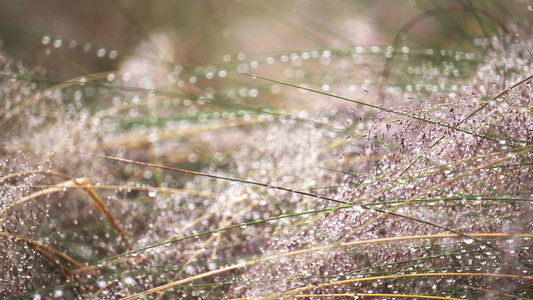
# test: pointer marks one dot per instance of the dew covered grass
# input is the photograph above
(254, 150)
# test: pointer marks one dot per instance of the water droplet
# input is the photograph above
(113, 54)
(242, 68)
(193, 158)
(148, 174)
(253, 93)
(190, 269)
(46, 40)
(101, 283)
(212, 266)
(101, 52)
(128, 280)
(226, 32)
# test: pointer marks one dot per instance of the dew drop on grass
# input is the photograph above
(45, 40)
(253, 93)
(468, 240)
(101, 52)
(242, 68)
(101, 283)
(128, 280)
(193, 158)
(190, 269)
(113, 54)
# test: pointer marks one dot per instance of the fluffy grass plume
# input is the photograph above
(267, 151)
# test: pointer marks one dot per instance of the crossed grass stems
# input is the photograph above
(475, 237)
(517, 147)
(91, 190)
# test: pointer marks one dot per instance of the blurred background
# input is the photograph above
(101, 35)
(192, 53)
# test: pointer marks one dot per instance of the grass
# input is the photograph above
(389, 171)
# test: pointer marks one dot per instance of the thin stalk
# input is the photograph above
(392, 111)
(356, 243)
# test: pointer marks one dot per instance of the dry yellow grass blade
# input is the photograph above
(398, 276)
(444, 183)
(135, 140)
(495, 292)
(47, 252)
(85, 184)
(355, 243)
(356, 295)
(109, 216)
(25, 173)
(54, 189)
(225, 222)
(292, 292)
(137, 188)
(180, 282)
